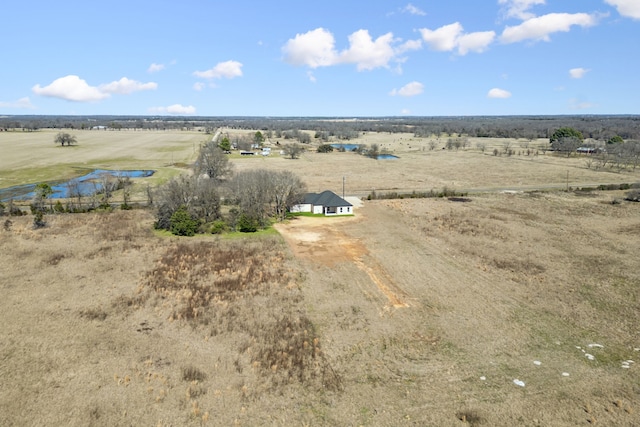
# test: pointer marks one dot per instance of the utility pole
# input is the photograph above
(343, 186)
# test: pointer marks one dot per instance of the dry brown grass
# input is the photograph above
(106, 323)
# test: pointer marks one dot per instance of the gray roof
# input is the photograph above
(326, 198)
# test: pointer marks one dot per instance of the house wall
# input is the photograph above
(343, 210)
(319, 209)
(303, 207)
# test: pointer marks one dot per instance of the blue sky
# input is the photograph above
(328, 58)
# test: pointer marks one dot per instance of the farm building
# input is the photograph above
(326, 203)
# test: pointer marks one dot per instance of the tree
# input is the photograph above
(225, 144)
(615, 140)
(293, 151)
(374, 151)
(325, 148)
(182, 223)
(65, 138)
(564, 133)
(213, 162)
(199, 196)
(258, 138)
(41, 193)
(261, 194)
(287, 191)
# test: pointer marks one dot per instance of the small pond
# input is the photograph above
(387, 157)
(346, 147)
(85, 185)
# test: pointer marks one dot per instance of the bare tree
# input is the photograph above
(288, 190)
(65, 138)
(261, 194)
(293, 151)
(213, 162)
(199, 196)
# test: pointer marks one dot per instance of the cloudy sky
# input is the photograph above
(320, 58)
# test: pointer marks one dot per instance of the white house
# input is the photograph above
(326, 203)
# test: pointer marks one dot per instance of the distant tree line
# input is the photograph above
(597, 127)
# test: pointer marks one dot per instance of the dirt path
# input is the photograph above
(324, 241)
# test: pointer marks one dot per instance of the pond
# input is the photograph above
(85, 185)
(346, 147)
(387, 157)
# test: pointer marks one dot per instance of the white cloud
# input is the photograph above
(410, 89)
(450, 37)
(519, 8)
(475, 42)
(405, 111)
(226, 70)
(541, 27)
(413, 10)
(316, 48)
(313, 49)
(578, 73)
(125, 86)
(366, 53)
(409, 45)
(71, 88)
(154, 68)
(198, 86)
(628, 8)
(444, 38)
(20, 103)
(177, 109)
(499, 93)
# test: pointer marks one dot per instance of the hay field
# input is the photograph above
(421, 169)
(32, 157)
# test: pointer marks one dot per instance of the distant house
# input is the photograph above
(325, 203)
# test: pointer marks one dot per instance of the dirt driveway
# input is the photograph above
(324, 241)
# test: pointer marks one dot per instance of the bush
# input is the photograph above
(38, 219)
(633, 196)
(246, 224)
(325, 148)
(218, 227)
(58, 208)
(182, 224)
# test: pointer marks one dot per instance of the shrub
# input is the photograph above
(58, 208)
(38, 219)
(182, 224)
(325, 148)
(218, 227)
(633, 196)
(246, 224)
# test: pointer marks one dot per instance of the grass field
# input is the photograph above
(511, 308)
(31, 157)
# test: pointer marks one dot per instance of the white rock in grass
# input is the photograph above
(537, 362)
(596, 345)
(589, 356)
(518, 382)
(483, 378)
(565, 374)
